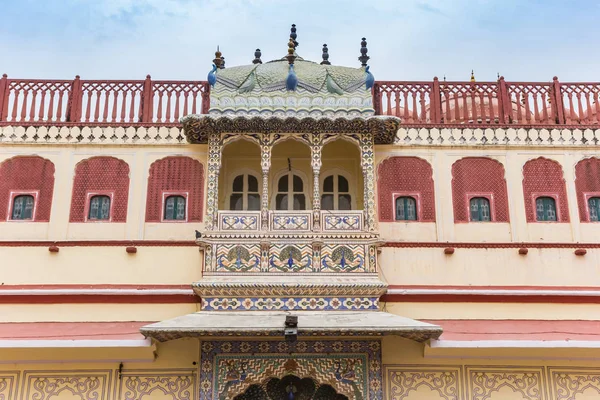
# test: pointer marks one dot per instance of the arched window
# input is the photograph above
(22, 207)
(594, 208)
(480, 209)
(406, 208)
(99, 208)
(290, 193)
(545, 209)
(174, 208)
(336, 193)
(244, 194)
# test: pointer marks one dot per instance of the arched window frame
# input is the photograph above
(490, 199)
(88, 199)
(165, 195)
(306, 189)
(587, 196)
(416, 196)
(11, 203)
(229, 188)
(554, 196)
(351, 185)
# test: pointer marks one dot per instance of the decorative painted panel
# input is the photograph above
(288, 221)
(343, 258)
(239, 220)
(498, 383)
(430, 382)
(352, 368)
(574, 384)
(8, 385)
(290, 258)
(238, 258)
(342, 220)
(166, 385)
(289, 303)
(84, 385)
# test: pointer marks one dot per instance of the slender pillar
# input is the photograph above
(265, 163)
(215, 147)
(368, 169)
(316, 147)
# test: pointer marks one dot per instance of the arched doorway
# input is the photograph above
(290, 387)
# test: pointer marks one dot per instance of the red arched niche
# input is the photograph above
(100, 175)
(27, 173)
(587, 180)
(175, 174)
(406, 176)
(479, 177)
(544, 177)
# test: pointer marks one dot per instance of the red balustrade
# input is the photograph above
(148, 102)
(100, 102)
(489, 103)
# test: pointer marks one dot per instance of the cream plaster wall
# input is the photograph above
(100, 265)
(493, 266)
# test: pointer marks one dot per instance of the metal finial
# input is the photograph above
(294, 35)
(472, 76)
(498, 75)
(291, 56)
(218, 58)
(222, 66)
(363, 53)
(257, 55)
(325, 56)
(444, 77)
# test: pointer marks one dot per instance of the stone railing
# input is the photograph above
(342, 221)
(235, 221)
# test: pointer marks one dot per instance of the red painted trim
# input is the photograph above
(71, 330)
(101, 243)
(506, 245)
(478, 298)
(492, 288)
(100, 299)
(91, 287)
(518, 329)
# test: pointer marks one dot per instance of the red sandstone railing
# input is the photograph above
(148, 102)
(100, 102)
(488, 103)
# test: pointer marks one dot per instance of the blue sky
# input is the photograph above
(530, 40)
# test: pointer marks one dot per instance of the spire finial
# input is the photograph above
(472, 76)
(257, 55)
(217, 60)
(498, 75)
(325, 56)
(222, 66)
(291, 56)
(363, 53)
(294, 35)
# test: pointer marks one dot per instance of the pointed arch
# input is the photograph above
(543, 178)
(587, 185)
(27, 174)
(175, 175)
(480, 177)
(100, 175)
(405, 175)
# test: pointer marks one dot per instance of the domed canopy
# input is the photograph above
(322, 90)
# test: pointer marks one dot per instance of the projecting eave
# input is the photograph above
(198, 128)
(271, 323)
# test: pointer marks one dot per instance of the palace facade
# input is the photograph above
(299, 230)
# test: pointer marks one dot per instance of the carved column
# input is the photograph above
(368, 170)
(265, 164)
(215, 147)
(316, 142)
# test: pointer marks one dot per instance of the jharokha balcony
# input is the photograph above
(80, 102)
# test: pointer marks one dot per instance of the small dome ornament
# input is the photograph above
(257, 55)
(369, 79)
(212, 76)
(325, 56)
(364, 58)
(472, 76)
(291, 81)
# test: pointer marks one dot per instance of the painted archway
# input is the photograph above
(290, 387)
